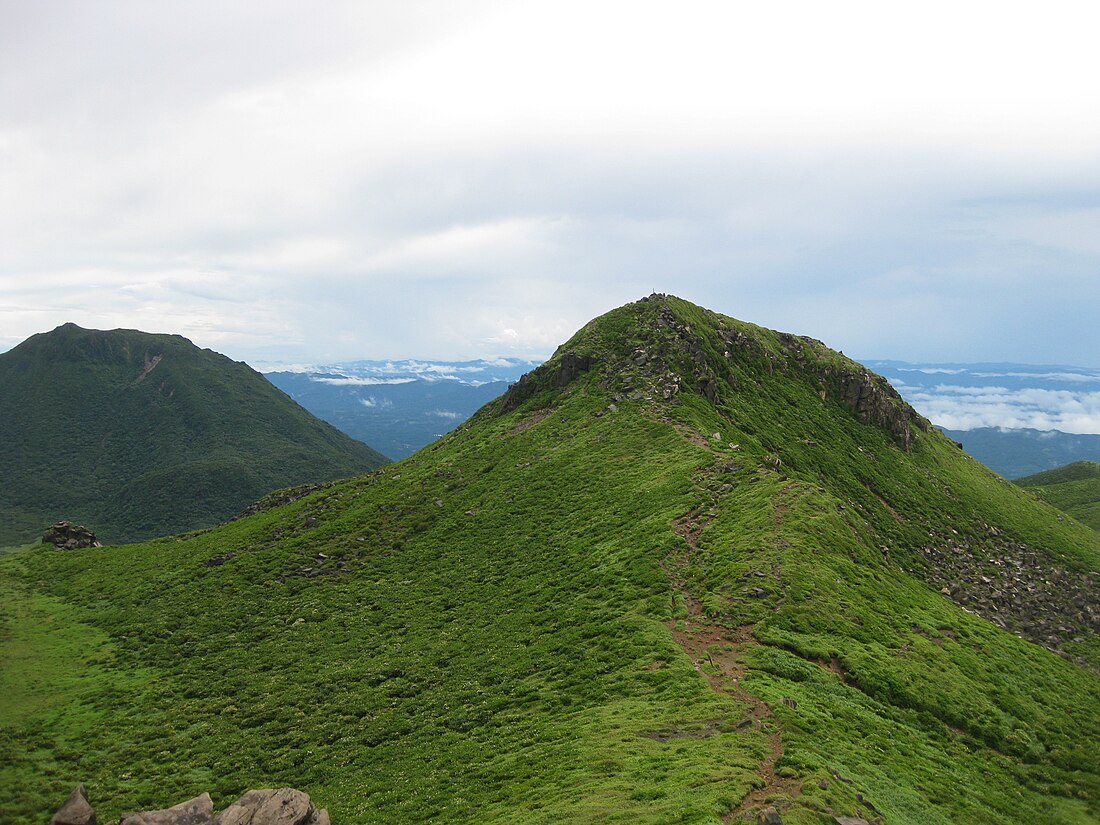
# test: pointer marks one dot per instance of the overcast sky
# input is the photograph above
(327, 181)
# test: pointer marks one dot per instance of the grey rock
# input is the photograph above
(64, 535)
(76, 810)
(197, 811)
(708, 388)
(769, 816)
(284, 806)
(572, 365)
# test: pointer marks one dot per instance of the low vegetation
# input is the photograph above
(1074, 489)
(675, 575)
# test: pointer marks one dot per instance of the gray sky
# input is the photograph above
(322, 181)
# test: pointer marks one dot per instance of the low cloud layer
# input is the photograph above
(1005, 396)
(956, 409)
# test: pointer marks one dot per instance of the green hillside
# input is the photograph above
(686, 569)
(1074, 489)
(142, 435)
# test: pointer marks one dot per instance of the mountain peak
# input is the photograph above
(662, 348)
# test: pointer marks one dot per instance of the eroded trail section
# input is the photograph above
(715, 651)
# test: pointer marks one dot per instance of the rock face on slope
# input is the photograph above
(282, 806)
(64, 535)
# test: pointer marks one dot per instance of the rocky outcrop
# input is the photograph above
(282, 806)
(281, 497)
(76, 810)
(569, 367)
(285, 806)
(64, 535)
(872, 400)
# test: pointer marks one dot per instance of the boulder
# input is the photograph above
(284, 806)
(76, 810)
(197, 811)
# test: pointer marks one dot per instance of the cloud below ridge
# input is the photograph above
(967, 408)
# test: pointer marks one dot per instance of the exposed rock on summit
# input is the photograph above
(665, 354)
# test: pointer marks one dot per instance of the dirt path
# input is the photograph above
(715, 651)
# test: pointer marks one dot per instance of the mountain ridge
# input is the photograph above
(686, 589)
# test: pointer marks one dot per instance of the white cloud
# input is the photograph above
(358, 381)
(966, 408)
(376, 403)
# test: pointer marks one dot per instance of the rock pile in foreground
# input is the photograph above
(284, 806)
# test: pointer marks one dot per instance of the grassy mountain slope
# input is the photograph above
(141, 435)
(1074, 489)
(687, 568)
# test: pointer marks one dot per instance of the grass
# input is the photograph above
(1074, 489)
(482, 631)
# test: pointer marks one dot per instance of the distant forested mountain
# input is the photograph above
(142, 435)
(1016, 453)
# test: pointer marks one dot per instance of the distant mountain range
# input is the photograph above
(1017, 453)
(398, 406)
(143, 435)
(1017, 419)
